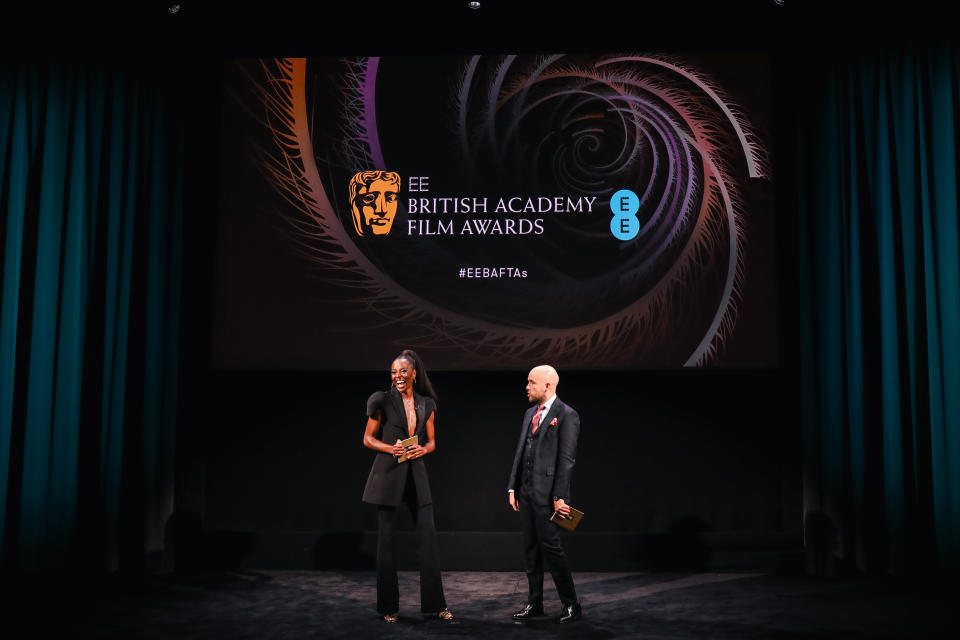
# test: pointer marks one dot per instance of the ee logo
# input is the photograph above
(624, 204)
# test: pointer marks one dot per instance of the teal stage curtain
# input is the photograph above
(90, 217)
(879, 272)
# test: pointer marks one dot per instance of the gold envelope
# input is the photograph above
(570, 522)
(412, 440)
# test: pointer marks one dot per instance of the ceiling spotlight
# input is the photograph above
(174, 8)
(473, 4)
(779, 2)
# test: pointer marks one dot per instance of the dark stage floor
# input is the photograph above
(304, 604)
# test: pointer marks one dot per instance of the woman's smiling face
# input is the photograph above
(402, 374)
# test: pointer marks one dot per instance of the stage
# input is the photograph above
(327, 604)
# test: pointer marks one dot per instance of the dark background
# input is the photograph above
(701, 462)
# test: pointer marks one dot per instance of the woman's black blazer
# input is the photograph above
(388, 478)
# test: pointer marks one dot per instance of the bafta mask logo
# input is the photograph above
(373, 201)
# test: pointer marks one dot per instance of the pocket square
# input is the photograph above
(553, 423)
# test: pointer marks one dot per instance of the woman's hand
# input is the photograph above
(416, 451)
(397, 448)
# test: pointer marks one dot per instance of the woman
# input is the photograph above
(407, 409)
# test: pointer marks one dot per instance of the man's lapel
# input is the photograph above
(545, 418)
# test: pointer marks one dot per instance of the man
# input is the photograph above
(373, 201)
(540, 484)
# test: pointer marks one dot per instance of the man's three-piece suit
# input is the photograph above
(542, 467)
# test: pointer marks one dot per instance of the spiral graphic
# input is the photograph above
(583, 126)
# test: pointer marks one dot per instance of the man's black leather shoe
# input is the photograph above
(570, 613)
(528, 611)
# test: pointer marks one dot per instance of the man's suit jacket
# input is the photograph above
(556, 453)
(388, 478)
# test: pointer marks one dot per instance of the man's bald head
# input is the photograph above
(549, 373)
(542, 383)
